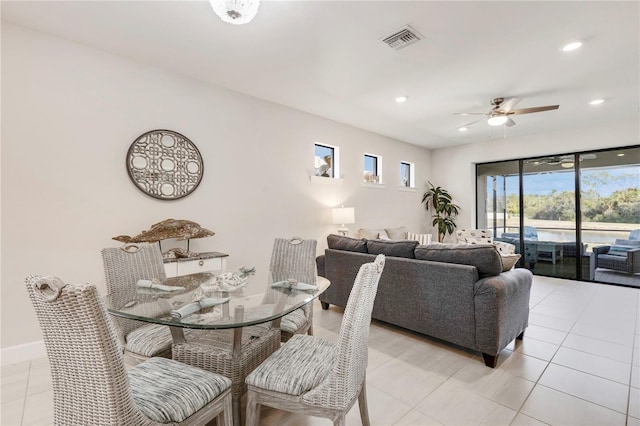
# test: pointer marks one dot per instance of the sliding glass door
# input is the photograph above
(565, 212)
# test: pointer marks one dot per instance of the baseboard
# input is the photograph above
(20, 353)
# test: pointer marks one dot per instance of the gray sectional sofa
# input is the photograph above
(454, 292)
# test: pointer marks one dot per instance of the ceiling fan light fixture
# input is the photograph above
(236, 12)
(401, 99)
(572, 46)
(463, 129)
(596, 102)
(497, 120)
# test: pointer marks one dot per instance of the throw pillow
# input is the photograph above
(484, 257)
(339, 242)
(392, 248)
(423, 239)
(382, 236)
(370, 234)
(509, 261)
(399, 233)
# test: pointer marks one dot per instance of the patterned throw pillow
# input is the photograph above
(423, 239)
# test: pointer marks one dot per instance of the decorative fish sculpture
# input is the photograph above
(170, 228)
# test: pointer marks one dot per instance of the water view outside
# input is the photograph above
(609, 183)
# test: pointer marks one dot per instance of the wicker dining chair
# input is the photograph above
(312, 376)
(90, 383)
(294, 258)
(123, 267)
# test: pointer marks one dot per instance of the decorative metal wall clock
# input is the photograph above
(164, 164)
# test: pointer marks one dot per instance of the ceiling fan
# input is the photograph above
(566, 161)
(503, 110)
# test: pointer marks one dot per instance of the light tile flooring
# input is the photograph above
(579, 364)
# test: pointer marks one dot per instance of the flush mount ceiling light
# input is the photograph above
(401, 99)
(572, 46)
(463, 129)
(497, 120)
(235, 12)
(596, 102)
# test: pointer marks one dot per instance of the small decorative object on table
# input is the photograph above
(230, 281)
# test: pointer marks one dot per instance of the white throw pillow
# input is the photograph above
(383, 236)
(399, 233)
(424, 239)
(371, 234)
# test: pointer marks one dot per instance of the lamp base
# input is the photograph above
(344, 231)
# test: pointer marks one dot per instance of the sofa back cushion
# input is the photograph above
(392, 248)
(340, 242)
(484, 257)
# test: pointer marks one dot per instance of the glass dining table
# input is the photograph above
(201, 301)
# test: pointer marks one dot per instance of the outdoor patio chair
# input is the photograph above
(90, 383)
(312, 376)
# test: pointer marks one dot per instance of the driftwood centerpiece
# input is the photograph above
(170, 228)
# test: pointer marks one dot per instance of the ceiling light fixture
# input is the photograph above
(236, 12)
(572, 46)
(497, 120)
(567, 164)
(596, 102)
(621, 154)
(401, 99)
(463, 129)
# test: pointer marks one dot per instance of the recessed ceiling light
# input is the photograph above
(596, 102)
(463, 129)
(401, 99)
(572, 46)
(621, 154)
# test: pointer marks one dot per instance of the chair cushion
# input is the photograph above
(293, 321)
(297, 367)
(620, 250)
(149, 340)
(168, 391)
(339, 242)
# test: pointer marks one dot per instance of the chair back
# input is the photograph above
(635, 234)
(124, 266)
(294, 258)
(344, 382)
(90, 384)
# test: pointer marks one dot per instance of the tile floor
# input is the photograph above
(579, 364)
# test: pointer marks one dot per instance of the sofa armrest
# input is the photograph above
(601, 249)
(320, 265)
(501, 309)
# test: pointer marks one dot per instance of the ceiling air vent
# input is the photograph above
(402, 38)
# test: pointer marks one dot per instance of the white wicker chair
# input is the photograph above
(312, 376)
(90, 383)
(123, 267)
(294, 258)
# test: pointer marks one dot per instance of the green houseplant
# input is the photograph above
(444, 209)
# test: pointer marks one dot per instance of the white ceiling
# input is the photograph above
(326, 57)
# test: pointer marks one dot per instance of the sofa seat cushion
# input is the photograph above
(168, 391)
(392, 248)
(339, 242)
(484, 257)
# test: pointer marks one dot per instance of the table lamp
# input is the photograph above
(341, 216)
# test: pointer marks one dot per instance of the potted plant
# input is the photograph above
(444, 209)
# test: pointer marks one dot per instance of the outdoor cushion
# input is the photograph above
(298, 366)
(484, 257)
(392, 248)
(620, 250)
(168, 391)
(339, 242)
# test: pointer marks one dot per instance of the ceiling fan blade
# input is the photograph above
(533, 109)
(510, 122)
(508, 105)
(470, 124)
(469, 113)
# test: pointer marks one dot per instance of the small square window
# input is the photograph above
(372, 168)
(407, 175)
(326, 161)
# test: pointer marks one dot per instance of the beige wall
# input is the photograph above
(69, 114)
(454, 168)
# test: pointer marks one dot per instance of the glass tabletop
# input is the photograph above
(200, 301)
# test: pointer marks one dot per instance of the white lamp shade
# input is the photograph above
(343, 215)
(235, 12)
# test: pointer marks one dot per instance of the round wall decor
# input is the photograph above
(164, 164)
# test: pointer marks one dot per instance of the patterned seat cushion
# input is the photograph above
(168, 391)
(149, 340)
(298, 366)
(293, 321)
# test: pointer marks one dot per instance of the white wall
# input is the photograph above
(454, 168)
(69, 114)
